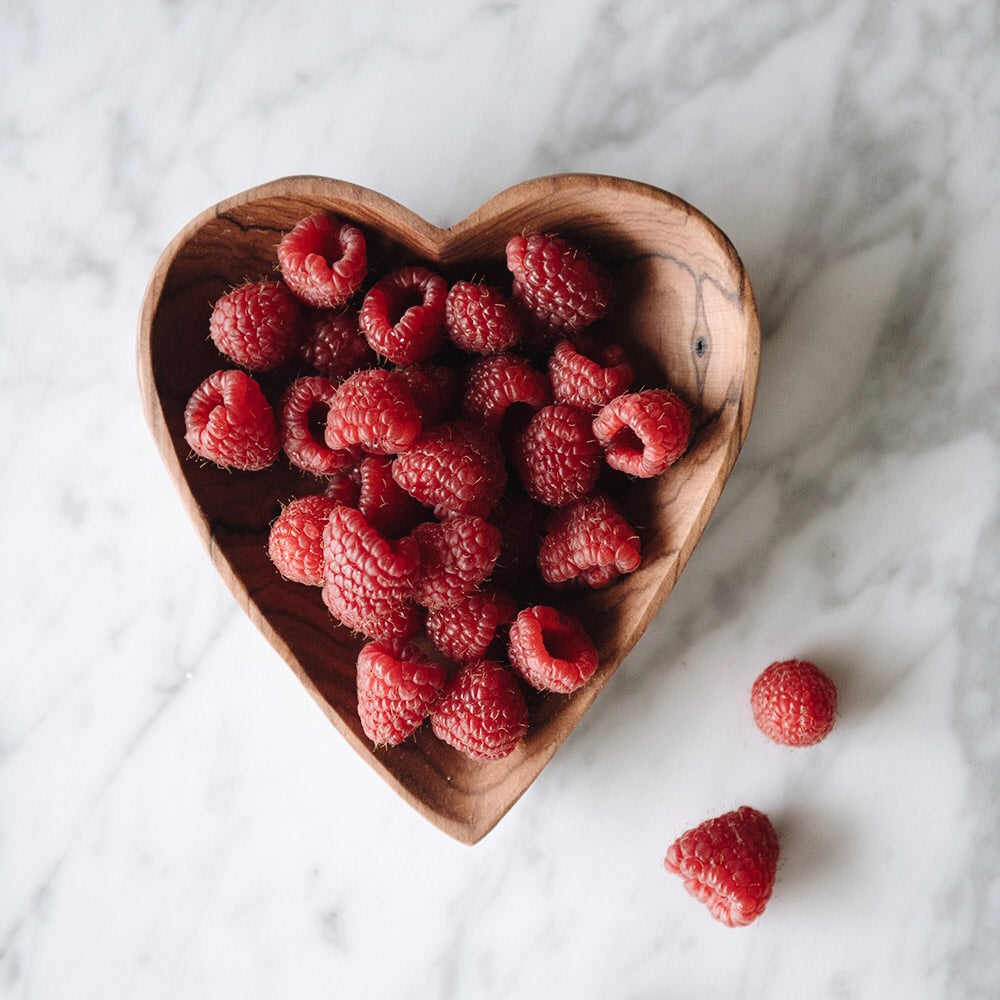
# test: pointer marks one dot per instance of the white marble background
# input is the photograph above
(178, 820)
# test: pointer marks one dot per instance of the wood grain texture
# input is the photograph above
(685, 310)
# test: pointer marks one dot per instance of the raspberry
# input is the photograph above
(464, 631)
(540, 336)
(497, 383)
(373, 409)
(397, 687)
(591, 380)
(256, 325)
(456, 468)
(323, 260)
(794, 703)
(368, 579)
(589, 542)
(551, 650)
(295, 544)
(343, 489)
(455, 557)
(482, 712)
(557, 457)
(643, 433)
(333, 345)
(728, 863)
(521, 522)
(304, 409)
(388, 509)
(228, 421)
(481, 319)
(374, 620)
(402, 315)
(558, 282)
(433, 388)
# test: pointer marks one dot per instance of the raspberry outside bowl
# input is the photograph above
(684, 310)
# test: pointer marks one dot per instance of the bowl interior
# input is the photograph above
(684, 310)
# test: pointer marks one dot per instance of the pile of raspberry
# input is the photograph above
(459, 440)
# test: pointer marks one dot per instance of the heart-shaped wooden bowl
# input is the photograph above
(686, 312)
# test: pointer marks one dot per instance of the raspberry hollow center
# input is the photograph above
(400, 303)
(333, 246)
(560, 643)
(626, 440)
(316, 420)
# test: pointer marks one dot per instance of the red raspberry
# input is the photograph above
(557, 457)
(397, 687)
(456, 468)
(295, 544)
(794, 703)
(455, 557)
(465, 630)
(343, 489)
(540, 336)
(228, 421)
(521, 522)
(373, 409)
(551, 650)
(589, 380)
(728, 863)
(256, 325)
(388, 509)
(387, 622)
(497, 383)
(304, 410)
(333, 344)
(369, 579)
(644, 433)
(433, 388)
(402, 315)
(482, 712)
(589, 542)
(481, 319)
(557, 281)
(323, 260)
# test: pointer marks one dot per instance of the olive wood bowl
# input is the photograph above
(684, 310)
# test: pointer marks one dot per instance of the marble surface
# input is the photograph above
(179, 820)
